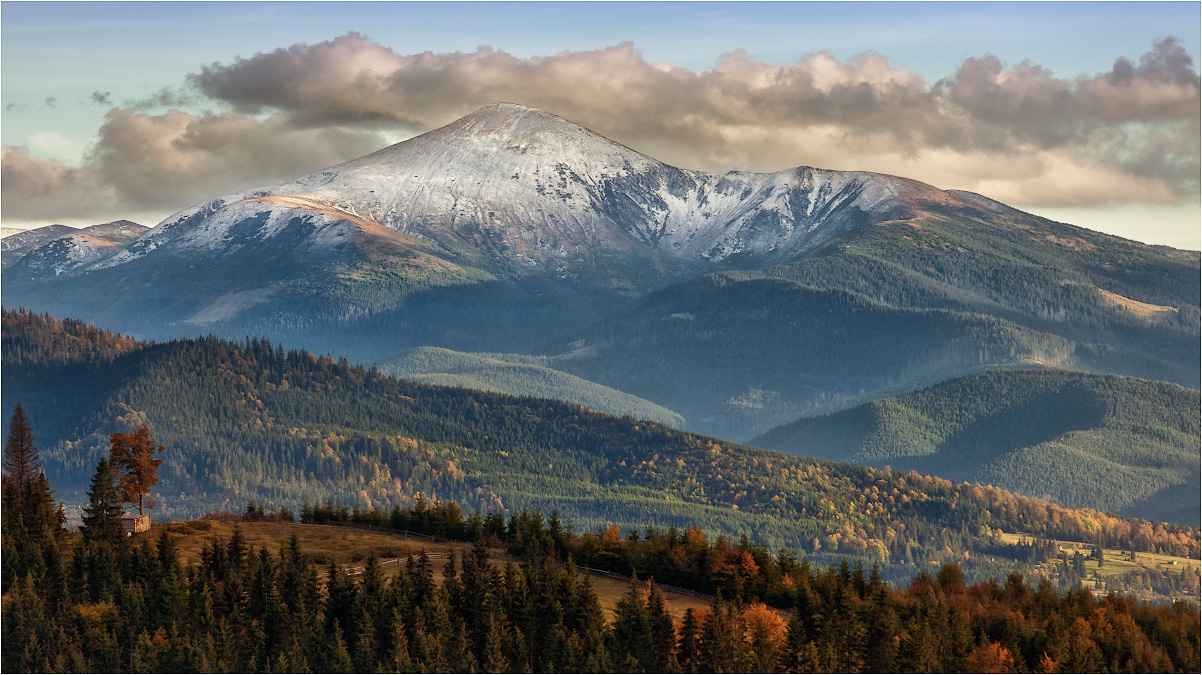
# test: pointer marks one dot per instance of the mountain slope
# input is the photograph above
(521, 376)
(250, 421)
(506, 192)
(515, 231)
(1107, 442)
(900, 305)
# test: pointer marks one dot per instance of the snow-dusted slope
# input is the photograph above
(530, 187)
(66, 254)
(86, 244)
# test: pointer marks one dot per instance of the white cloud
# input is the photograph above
(1017, 133)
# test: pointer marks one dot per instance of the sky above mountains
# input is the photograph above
(1083, 112)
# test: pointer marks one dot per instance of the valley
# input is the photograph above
(249, 421)
(1111, 442)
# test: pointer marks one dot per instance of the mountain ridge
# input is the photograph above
(898, 285)
(528, 185)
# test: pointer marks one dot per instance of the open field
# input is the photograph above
(349, 546)
(1114, 559)
(1117, 563)
(1141, 309)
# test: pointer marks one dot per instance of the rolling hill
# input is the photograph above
(249, 421)
(521, 376)
(1113, 443)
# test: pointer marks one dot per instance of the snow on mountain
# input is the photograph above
(16, 245)
(533, 188)
(88, 244)
(67, 253)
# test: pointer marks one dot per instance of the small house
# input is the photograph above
(134, 524)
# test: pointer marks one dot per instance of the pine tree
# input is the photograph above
(661, 657)
(102, 515)
(688, 650)
(22, 462)
(631, 631)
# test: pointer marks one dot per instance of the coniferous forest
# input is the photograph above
(99, 602)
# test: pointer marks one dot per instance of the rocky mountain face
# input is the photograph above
(740, 301)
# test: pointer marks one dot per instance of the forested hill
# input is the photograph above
(1103, 441)
(246, 421)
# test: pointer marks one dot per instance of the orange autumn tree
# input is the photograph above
(133, 457)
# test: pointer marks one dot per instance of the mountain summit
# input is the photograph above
(531, 188)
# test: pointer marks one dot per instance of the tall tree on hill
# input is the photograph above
(22, 462)
(133, 460)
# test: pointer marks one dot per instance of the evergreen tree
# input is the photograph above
(337, 659)
(102, 515)
(631, 639)
(688, 649)
(661, 657)
(22, 462)
(399, 649)
(723, 649)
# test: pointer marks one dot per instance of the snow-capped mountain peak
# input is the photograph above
(532, 188)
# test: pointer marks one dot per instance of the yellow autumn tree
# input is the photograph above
(766, 632)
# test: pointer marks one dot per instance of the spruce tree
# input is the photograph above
(661, 657)
(688, 649)
(399, 649)
(102, 515)
(631, 631)
(22, 462)
(493, 656)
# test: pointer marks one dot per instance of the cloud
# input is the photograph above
(1015, 132)
(102, 98)
(163, 98)
(165, 162)
(1139, 119)
(33, 188)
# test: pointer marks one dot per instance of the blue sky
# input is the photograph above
(65, 69)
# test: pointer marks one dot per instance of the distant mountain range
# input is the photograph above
(55, 249)
(738, 302)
